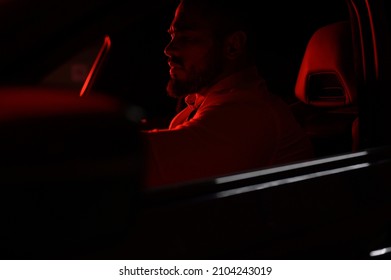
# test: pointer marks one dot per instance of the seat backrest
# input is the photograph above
(326, 89)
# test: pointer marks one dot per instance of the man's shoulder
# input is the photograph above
(254, 94)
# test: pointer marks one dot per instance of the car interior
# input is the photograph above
(326, 90)
(106, 58)
(314, 75)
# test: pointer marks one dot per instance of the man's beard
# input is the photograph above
(195, 81)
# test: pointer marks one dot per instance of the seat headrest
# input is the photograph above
(326, 76)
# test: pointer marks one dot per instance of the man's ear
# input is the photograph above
(235, 44)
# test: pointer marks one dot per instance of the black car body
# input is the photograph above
(72, 176)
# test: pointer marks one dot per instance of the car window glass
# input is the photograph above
(74, 71)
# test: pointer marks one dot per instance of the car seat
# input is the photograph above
(326, 90)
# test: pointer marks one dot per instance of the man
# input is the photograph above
(231, 122)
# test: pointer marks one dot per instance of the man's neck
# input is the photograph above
(228, 71)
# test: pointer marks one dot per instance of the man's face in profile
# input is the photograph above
(194, 55)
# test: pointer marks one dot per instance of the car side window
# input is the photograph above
(73, 72)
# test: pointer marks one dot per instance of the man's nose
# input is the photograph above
(170, 49)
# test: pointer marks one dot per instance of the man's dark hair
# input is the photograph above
(229, 16)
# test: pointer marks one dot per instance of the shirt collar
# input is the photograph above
(194, 100)
(239, 78)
